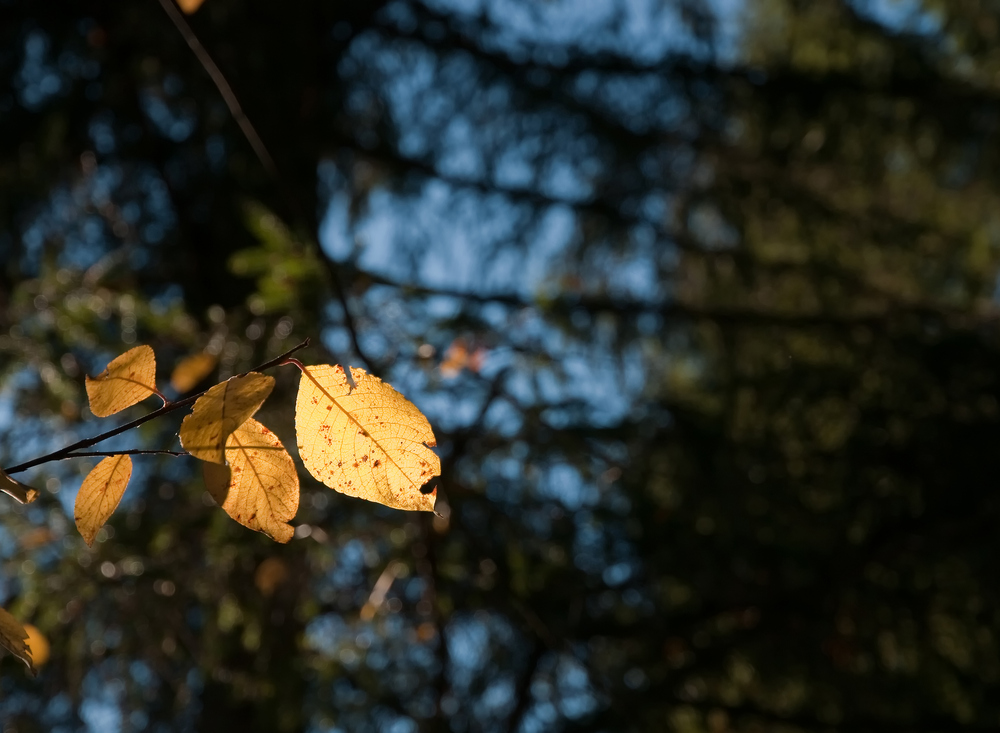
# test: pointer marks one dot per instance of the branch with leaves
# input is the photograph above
(355, 434)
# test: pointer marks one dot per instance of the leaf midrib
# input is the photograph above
(351, 417)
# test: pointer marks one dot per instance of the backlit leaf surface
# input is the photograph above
(260, 488)
(100, 493)
(369, 441)
(221, 410)
(23, 493)
(128, 380)
(12, 638)
(38, 645)
(189, 6)
(191, 370)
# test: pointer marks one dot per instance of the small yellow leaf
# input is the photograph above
(367, 441)
(191, 370)
(221, 410)
(189, 6)
(37, 537)
(99, 495)
(12, 636)
(260, 488)
(17, 490)
(38, 645)
(128, 380)
(271, 573)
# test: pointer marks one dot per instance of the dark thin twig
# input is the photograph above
(340, 293)
(130, 452)
(266, 160)
(169, 407)
(429, 572)
(522, 695)
(228, 96)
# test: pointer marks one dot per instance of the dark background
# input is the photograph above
(700, 299)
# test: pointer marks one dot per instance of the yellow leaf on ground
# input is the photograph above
(17, 490)
(12, 636)
(191, 370)
(128, 380)
(221, 410)
(99, 495)
(38, 645)
(260, 488)
(369, 441)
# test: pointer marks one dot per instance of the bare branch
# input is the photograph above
(169, 407)
(228, 96)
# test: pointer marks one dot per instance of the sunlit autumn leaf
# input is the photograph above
(369, 441)
(260, 488)
(128, 380)
(37, 537)
(455, 358)
(271, 573)
(99, 495)
(23, 493)
(221, 410)
(191, 370)
(189, 6)
(459, 357)
(38, 645)
(12, 638)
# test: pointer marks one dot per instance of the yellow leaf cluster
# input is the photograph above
(220, 411)
(100, 494)
(367, 440)
(12, 638)
(355, 434)
(259, 488)
(127, 380)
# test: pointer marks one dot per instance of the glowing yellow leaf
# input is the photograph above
(38, 645)
(24, 494)
(369, 441)
(191, 370)
(12, 636)
(128, 380)
(189, 6)
(37, 537)
(99, 495)
(271, 573)
(260, 488)
(221, 410)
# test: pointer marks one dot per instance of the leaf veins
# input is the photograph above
(218, 412)
(127, 380)
(260, 487)
(369, 441)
